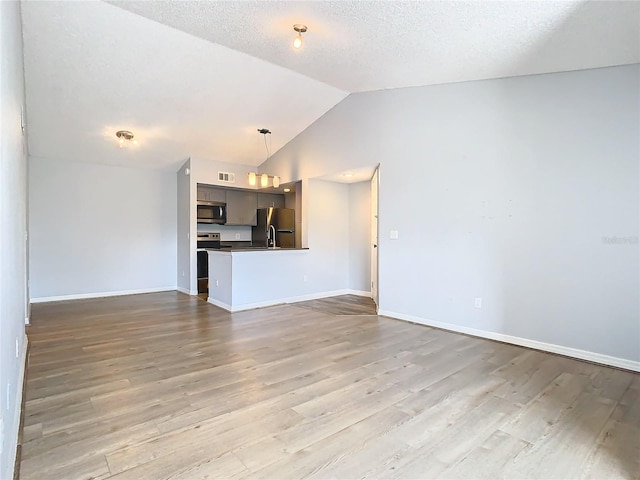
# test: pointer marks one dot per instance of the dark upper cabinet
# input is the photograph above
(266, 200)
(241, 207)
(211, 194)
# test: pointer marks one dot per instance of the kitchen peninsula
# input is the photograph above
(246, 278)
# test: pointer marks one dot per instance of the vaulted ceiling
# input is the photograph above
(195, 78)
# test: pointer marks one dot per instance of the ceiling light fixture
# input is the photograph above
(264, 178)
(124, 137)
(298, 27)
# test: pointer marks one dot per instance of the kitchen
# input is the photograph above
(337, 259)
(232, 222)
(335, 263)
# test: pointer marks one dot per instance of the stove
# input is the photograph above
(208, 240)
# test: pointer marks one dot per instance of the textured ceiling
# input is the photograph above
(360, 45)
(92, 69)
(196, 78)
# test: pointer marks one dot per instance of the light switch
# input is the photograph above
(393, 234)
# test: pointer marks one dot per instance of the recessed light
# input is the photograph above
(349, 174)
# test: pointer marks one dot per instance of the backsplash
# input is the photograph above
(227, 233)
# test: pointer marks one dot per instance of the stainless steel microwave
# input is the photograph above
(212, 212)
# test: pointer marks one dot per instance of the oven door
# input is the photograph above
(203, 271)
(203, 264)
(211, 212)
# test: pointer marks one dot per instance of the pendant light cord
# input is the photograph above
(267, 147)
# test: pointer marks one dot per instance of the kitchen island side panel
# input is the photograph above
(270, 276)
(220, 278)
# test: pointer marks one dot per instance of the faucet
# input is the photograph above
(271, 238)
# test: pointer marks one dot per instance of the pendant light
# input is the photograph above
(264, 178)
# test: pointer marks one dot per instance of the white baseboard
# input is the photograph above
(523, 342)
(359, 293)
(186, 291)
(313, 296)
(280, 301)
(223, 306)
(100, 294)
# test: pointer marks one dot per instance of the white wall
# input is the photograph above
(327, 221)
(360, 236)
(13, 226)
(206, 171)
(501, 189)
(98, 229)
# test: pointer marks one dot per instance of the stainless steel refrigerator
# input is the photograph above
(280, 222)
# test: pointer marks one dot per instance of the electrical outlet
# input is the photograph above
(478, 302)
(183, 273)
(393, 234)
(304, 278)
(17, 348)
(217, 283)
(237, 236)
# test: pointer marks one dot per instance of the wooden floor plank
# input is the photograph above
(563, 450)
(341, 305)
(487, 461)
(165, 385)
(618, 452)
(322, 458)
(533, 421)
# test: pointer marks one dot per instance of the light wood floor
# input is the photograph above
(341, 305)
(166, 386)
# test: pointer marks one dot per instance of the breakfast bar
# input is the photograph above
(246, 278)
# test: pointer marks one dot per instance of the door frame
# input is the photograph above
(374, 244)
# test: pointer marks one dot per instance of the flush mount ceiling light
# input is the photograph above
(124, 137)
(264, 178)
(298, 27)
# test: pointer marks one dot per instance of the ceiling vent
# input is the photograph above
(227, 177)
